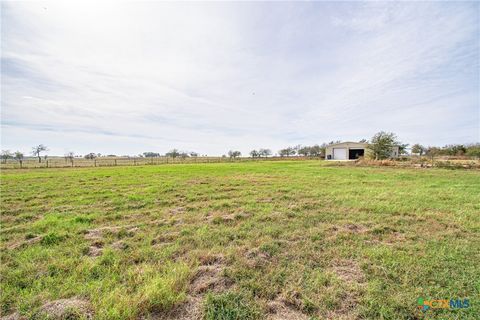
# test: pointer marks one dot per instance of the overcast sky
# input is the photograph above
(124, 78)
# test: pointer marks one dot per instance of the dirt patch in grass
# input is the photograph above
(177, 210)
(256, 258)
(165, 238)
(349, 229)
(197, 181)
(346, 311)
(99, 233)
(95, 249)
(119, 245)
(280, 310)
(225, 218)
(96, 236)
(24, 243)
(349, 271)
(208, 278)
(73, 308)
(13, 316)
(355, 228)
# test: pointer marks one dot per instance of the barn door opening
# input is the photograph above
(355, 153)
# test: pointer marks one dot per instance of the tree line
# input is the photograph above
(380, 145)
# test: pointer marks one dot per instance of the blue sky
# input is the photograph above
(129, 77)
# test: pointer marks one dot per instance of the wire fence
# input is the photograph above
(59, 162)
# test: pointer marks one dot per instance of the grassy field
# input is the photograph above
(267, 240)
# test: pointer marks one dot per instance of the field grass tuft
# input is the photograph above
(230, 306)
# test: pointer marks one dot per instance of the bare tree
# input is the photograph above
(69, 157)
(37, 150)
(5, 155)
(234, 154)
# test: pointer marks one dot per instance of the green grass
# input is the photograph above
(326, 241)
(229, 306)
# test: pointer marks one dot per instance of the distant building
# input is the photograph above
(351, 151)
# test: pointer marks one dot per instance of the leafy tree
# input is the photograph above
(173, 153)
(433, 152)
(418, 149)
(382, 144)
(37, 150)
(193, 154)
(323, 149)
(315, 150)
(454, 150)
(18, 156)
(402, 148)
(363, 141)
(304, 151)
(90, 156)
(265, 152)
(254, 154)
(290, 151)
(5, 155)
(151, 154)
(473, 150)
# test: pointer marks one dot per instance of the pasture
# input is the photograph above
(246, 240)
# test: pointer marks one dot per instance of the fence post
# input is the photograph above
(94, 162)
(47, 163)
(134, 162)
(115, 162)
